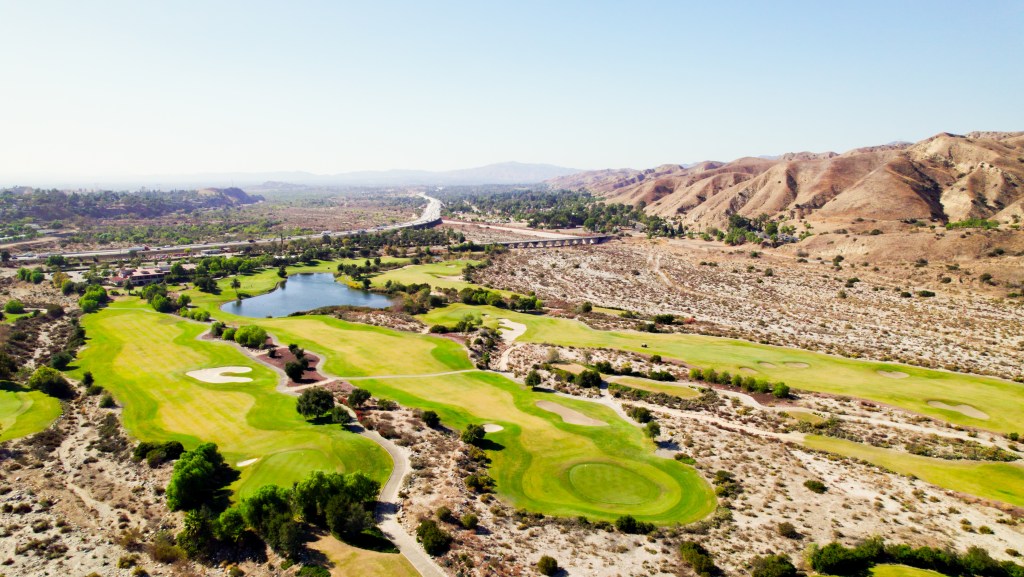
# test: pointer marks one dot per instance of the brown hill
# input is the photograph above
(945, 178)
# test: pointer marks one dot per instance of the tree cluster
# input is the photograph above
(836, 559)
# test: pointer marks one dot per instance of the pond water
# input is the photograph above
(303, 292)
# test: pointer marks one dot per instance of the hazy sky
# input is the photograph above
(104, 88)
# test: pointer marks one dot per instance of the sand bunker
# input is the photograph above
(893, 374)
(247, 462)
(797, 365)
(570, 416)
(513, 330)
(747, 370)
(965, 410)
(217, 376)
(767, 365)
(492, 428)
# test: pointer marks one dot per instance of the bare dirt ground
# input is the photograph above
(855, 309)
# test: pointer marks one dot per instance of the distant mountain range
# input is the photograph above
(501, 173)
(947, 177)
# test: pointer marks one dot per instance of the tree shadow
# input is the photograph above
(669, 445)
(489, 445)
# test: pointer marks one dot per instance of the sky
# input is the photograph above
(130, 88)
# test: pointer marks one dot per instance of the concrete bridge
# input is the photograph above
(556, 242)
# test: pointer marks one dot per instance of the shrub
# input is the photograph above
(547, 565)
(435, 540)
(589, 378)
(107, 402)
(780, 390)
(628, 524)
(61, 360)
(469, 521)
(294, 370)
(357, 397)
(50, 381)
(314, 402)
(772, 566)
(640, 414)
(251, 336)
(652, 430)
(228, 334)
(697, 557)
(431, 419)
(14, 307)
(533, 379)
(473, 434)
(787, 530)
(815, 486)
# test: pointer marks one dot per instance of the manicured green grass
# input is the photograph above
(538, 451)
(447, 274)
(1001, 400)
(357, 350)
(890, 570)
(23, 413)
(142, 356)
(653, 386)
(989, 480)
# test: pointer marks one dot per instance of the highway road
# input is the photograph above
(431, 213)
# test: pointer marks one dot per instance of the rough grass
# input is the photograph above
(142, 356)
(435, 274)
(1002, 400)
(23, 413)
(805, 417)
(890, 570)
(1002, 482)
(348, 560)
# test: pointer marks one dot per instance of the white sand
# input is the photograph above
(217, 376)
(247, 462)
(492, 428)
(797, 365)
(513, 330)
(893, 374)
(966, 410)
(571, 416)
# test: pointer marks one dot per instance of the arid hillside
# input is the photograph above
(944, 178)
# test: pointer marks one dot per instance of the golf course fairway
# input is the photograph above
(142, 358)
(23, 413)
(995, 481)
(1000, 400)
(539, 462)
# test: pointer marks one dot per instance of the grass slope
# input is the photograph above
(1001, 400)
(23, 413)
(669, 388)
(142, 356)
(990, 480)
(446, 274)
(348, 560)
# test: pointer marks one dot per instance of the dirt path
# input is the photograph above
(513, 331)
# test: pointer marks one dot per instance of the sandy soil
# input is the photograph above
(570, 416)
(220, 375)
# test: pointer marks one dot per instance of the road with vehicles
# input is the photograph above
(431, 215)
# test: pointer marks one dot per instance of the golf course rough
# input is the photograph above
(539, 461)
(24, 413)
(142, 357)
(1002, 401)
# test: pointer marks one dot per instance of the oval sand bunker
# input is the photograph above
(797, 365)
(218, 376)
(893, 374)
(570, 416)
(965, 410)
(766, 364)
(492, 428)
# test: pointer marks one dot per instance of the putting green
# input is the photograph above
(142, 358)
(989, 480)
(23, 413)
(1001, 400)
(611, 484)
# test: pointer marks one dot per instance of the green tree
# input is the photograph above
(357, 397)
(196, 536)
(251, 336)
(294, 370)
(50, 381)
(198, 474)
(431, 419)
(589, 378)
(533, 379)
(652, 430)
(314, 402)
(473, 434)
(435, 540)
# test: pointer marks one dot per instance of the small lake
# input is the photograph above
(303, 292)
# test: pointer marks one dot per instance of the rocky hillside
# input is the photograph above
(944, 178)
